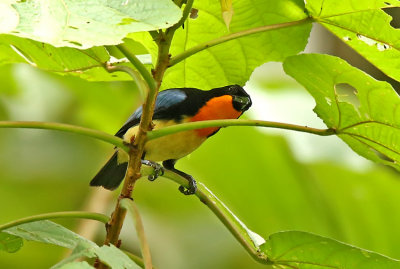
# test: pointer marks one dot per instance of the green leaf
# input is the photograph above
(233, 61)
(327, 8)
(364, 27)
(49, 232)
(69, 23)
(303, 250)
(81, 250)
(76, 265)
(10, 243)
(87, 64)
(365, 112)
(114, 257)
(109, 255)
(9, 85)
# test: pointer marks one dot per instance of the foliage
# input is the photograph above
(351, 102)
(71, 38)
(95, 23)
(302, 250)
(52, 233)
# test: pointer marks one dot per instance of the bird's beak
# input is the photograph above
(241, 103)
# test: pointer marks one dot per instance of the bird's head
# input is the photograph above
(241, 100)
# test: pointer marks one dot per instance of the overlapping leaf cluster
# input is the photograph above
(68, 37)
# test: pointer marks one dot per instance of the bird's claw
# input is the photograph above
(192, 187)
(158, 169)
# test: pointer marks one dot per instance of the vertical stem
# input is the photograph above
(139, 66)
(133, 172)
(144, 246)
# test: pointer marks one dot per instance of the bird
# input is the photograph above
(174, 106)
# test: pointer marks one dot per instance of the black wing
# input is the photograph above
(165, 100)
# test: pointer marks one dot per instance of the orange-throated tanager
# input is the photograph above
(175, 106)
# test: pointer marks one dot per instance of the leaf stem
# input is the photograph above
(224, 123)
(136, 259)
(67, 128)
(163, 41)
(248, 239)
(136, 77)
(185, 14)
(57, 215)
(133, 171)
(139, 66)
(129, 205)
(222, 39)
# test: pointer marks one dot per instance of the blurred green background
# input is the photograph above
(272, 180)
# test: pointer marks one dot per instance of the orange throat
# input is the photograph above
(217, 108)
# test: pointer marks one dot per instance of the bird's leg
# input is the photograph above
(158, 169)
(170, 165)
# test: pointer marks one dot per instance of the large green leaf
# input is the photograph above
(330, 8)
(234, 61)
(10, 243)
(48, 232)
(72, 23)
(363, 26)
(364, 112)
(303, 250)
(87, 64)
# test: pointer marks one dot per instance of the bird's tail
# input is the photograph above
(111, 175)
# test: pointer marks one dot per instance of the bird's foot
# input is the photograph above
(158, 169)
(170, 165)
(192, 186)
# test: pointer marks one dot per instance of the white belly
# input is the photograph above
(173, 146)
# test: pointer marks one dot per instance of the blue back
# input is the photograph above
(165, 100)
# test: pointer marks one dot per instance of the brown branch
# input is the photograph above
(133, 172)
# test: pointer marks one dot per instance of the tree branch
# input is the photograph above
(224, 123)
(134, 74)
(67, 128)
(57, 215)
(145, 125)
(248, 239)
(139, 66)
(134, 164)
(222, 39)
(185, 14)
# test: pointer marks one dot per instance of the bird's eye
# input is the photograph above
(241, 103)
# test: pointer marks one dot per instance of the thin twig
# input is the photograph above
(139, 66)
(129, 205)
(185, 14)
(222, 39)
(134, 74)
(57, 215)
(224, 123)
(67, 128)
(244, 235)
